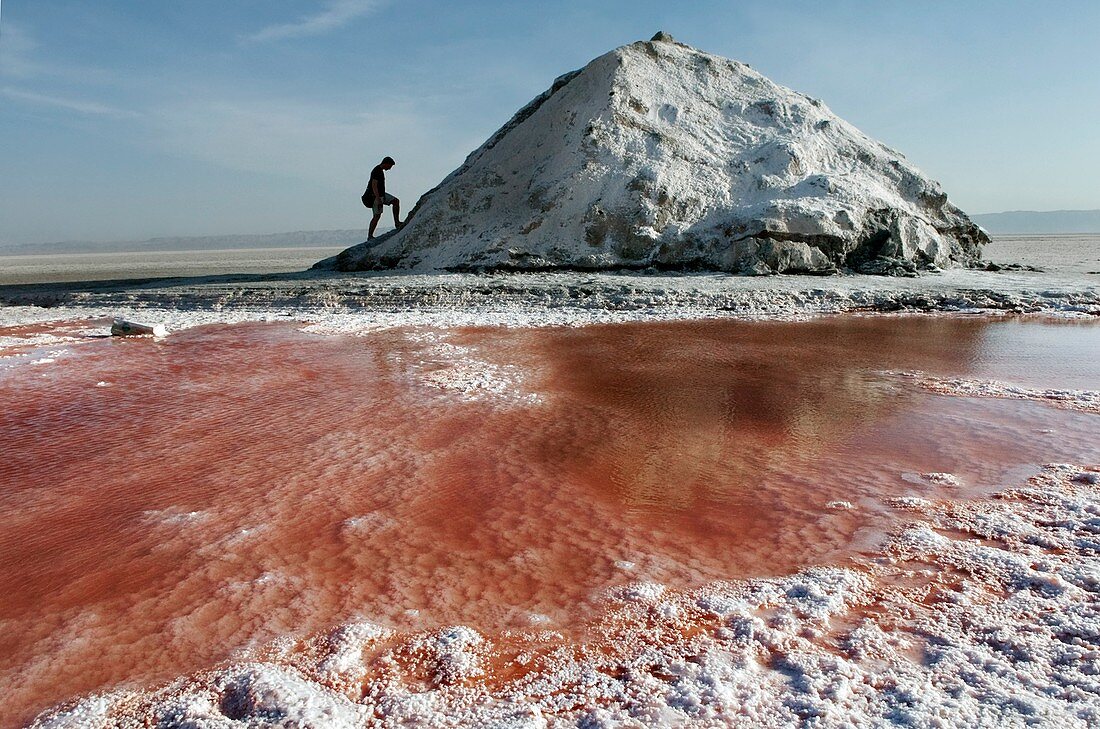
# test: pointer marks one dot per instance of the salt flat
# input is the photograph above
(555, 499)
(39, 268)
(367, 300)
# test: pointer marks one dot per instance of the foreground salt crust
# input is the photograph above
(460, 370)
(363, 302)
(976, 613)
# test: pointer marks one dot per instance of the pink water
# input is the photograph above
(167, 504)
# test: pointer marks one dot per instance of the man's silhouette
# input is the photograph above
(376, 196)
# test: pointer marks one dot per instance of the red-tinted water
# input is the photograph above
(166, 503)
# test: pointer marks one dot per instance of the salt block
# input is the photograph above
(123, 328)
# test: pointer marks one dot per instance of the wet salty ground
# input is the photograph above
(169, 505)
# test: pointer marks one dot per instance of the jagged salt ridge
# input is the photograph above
(658, 154)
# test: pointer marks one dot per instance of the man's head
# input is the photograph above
(387, 163)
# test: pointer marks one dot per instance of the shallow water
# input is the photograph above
(167, 504)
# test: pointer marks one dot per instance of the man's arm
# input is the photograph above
(374, 188)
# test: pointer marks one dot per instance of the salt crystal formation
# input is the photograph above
(657, 155)
(978, 613)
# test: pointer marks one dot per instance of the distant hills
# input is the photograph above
(297, 239)
(1031, 221)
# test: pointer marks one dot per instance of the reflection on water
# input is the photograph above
(705, 411)
(163, 504)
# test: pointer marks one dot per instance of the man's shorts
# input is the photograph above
(387, 199)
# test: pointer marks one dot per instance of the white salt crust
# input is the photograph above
(944, 479)
(1086, 401)
(461, 371)
(362, 302)
(975, 613)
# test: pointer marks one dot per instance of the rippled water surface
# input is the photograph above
(167, 504)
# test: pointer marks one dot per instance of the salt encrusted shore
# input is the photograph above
(976, 613)
(1086, 401)
(350, 301)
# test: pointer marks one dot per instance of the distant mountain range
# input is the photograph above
(1031, 221)
(297, 239)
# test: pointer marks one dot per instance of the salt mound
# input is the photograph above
(660, 155)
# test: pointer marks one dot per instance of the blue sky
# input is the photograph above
(127, 119)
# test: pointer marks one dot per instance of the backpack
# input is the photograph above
(368, 198)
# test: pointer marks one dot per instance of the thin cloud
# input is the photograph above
(21, 60)
(79, 106)
(336, 14)
(16, 47)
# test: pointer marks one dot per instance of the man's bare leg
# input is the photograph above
(373, 225)
(397, 214)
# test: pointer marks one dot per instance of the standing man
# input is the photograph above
(376, 196)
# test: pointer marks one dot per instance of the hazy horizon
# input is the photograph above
(1019, 222)
(281, 239)
(130, 121)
